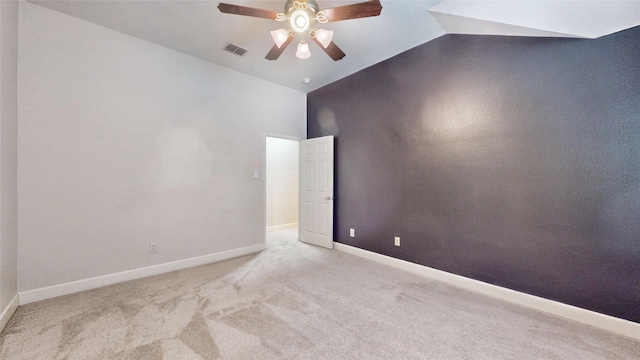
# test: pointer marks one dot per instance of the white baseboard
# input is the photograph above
(49, 292)
(282, 227)
(7, 312)
(602, 321)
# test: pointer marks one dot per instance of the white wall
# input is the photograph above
(123, 143)
(8, 156)
(282, 182)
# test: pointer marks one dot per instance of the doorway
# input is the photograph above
(281, 178)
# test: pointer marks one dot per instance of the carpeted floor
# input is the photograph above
(296, 301)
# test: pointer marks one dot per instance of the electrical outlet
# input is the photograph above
(397, 241)
(352, 232)
(153, 247)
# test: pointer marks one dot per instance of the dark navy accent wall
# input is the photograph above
(510, 160)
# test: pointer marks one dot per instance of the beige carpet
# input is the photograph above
(296, 301)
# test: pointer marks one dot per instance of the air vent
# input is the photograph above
(235, 49)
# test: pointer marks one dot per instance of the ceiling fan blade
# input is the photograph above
(332, 50)
(354, 11)
(247, 11)
(275, 51)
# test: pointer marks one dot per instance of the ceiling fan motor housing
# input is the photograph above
(291, 5)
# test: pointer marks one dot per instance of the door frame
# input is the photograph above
(265, 135)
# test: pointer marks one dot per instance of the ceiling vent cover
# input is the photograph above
(235, 49)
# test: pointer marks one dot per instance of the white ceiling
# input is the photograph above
(197, 28)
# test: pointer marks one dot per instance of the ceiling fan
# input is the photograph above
(302, 15)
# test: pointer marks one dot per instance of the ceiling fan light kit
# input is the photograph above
(323, 36)
(299, 20)
(302, 15)
(280, 37)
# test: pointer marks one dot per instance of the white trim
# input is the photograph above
(8, 312)
(282, 227)
(49, 292)
(588, 317)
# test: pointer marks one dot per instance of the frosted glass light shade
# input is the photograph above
(303, 50)
(324, 37)
(279, 36)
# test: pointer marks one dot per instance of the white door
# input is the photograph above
(316, 191)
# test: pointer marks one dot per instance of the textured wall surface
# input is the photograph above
(514, 161)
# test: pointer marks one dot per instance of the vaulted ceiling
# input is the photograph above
(197, 28)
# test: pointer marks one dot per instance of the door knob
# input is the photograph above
(330, 197)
